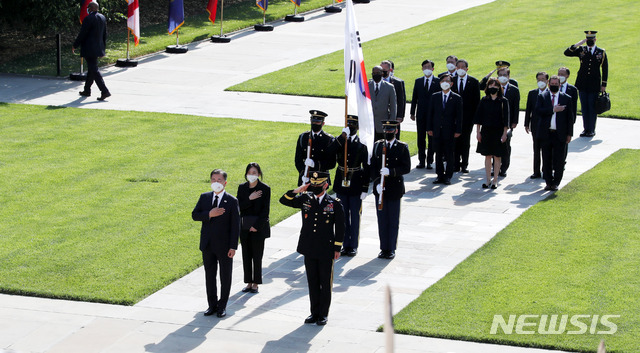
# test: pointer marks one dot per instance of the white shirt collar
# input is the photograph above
(220, 196)
(319, 198)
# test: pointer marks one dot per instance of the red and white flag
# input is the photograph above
(356, 82)
(133, 20)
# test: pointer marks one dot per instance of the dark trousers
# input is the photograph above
(320, 281)
(352, 206)
(588, 104)
(211, 261)
(252, 251)
(444, 147)
(425, 151)
(93, 74)
(462, 146)
(506, 158)
(553, 157)
(537, 156)
(388, 223)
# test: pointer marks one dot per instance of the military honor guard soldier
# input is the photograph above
(314, 150)
(591, 80)
(390, 161)
(320, 239)
(352, 189)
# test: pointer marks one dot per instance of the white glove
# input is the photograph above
(309, 162)
(384, 171)
(305, 180)
(363, 196)
(379, 189)
(346, 131)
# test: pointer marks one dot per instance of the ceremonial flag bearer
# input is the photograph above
(314, 150)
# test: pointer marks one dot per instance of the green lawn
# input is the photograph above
(154, 38)
(574, 253)
(532, 35)
(96, 205)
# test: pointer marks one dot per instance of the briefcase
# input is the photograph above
(603, 103)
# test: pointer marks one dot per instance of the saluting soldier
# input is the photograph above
(352, 189)
(591, 80)
(390, 161)
(320, 239)
(321, 155)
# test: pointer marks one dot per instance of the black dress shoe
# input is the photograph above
(548, 188)
(322, 321)
(485, 186)
(583, 134)
(85, 93)
(554, 187)
(210, 312)
(465, 171)
(391, 255)
(429, 166)
(246, 289)
(253, 290)
(344, 251)
(494, 186)
(502, 174)
(221, 313)
(535, 176)
(382, 254)
(447, 181)
(352, 252)
(438, 181)
(420, 166)
(311, 319)
(591, 134)
(104, 96)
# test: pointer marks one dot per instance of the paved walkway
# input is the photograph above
(440, 226)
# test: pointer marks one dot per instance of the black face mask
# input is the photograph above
(316, 127)
(492, 90)
(377, 77)
(591, 42)
(554, 89)
(385, 73)
(389, 136)
(352, 130)
(315, 189)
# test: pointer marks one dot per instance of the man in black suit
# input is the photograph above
(220, 216)
(566, 87)
(444, 125)
(92, 41)
(467, 87)
(389, 162)
(423, 89)
(322, 154)
(531, 121)
(555, 130)
(451, 66)
(320, 239)
(352, 189)
(401, 94)
(512, 93)
(591, 80)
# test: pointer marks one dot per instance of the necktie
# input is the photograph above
(377, 89)
(461, 87)
(444, 101)
(215, 202)
(553, 100)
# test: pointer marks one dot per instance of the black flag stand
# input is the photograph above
(177, 49)
(264, 27)
(295, 17)
(221, 38)
(127, 62)
(79, 76)
(361, 1)
(332, 8)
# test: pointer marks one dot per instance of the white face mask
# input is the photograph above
(541, 84)
(217, 187)
(427, 72)
(503, 79)
(451, 66)
(445, 85)
(252, 178)
(562, 79)
(461, 72)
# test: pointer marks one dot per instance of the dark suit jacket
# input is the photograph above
(322, 152)
(259, 207)
(220, 232)
(323, 224)
(513, 96)
(398, 161)
(590, 77)
(483, 83)
(445, 123)
(531, 119)
(470, 99)
(421, 98)
(92, 38)
(564, 119)
(573, 92)
(401, 96)
(357, 158)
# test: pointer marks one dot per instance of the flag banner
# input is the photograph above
(338, 0)
(133, 20)
(356, 82)
(176, 15)
(212, 7)
(297, 2)
(263, 4)
(83, 9)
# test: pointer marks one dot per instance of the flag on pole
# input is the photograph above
(263, 4)
(133, 20)
(356, 82)
(176, 15)
(212, 7)
(338, 0)
(83, 9)
(297, 2)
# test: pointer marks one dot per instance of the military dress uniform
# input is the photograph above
(398, 161)
(320, 237)
(358, 183)
(322, 148)
(592, 75)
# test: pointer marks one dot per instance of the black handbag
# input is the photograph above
(603, 103)
(248, 221)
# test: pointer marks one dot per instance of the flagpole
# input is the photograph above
(221, 16)
(221, 38)
(388, 320)
(264, 27)
(345, 182)
(295, 17)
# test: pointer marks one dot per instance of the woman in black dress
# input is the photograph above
(254, 199)
(492, 121)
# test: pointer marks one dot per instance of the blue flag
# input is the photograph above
(297, 2)
(176, 15)
(262, 4)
